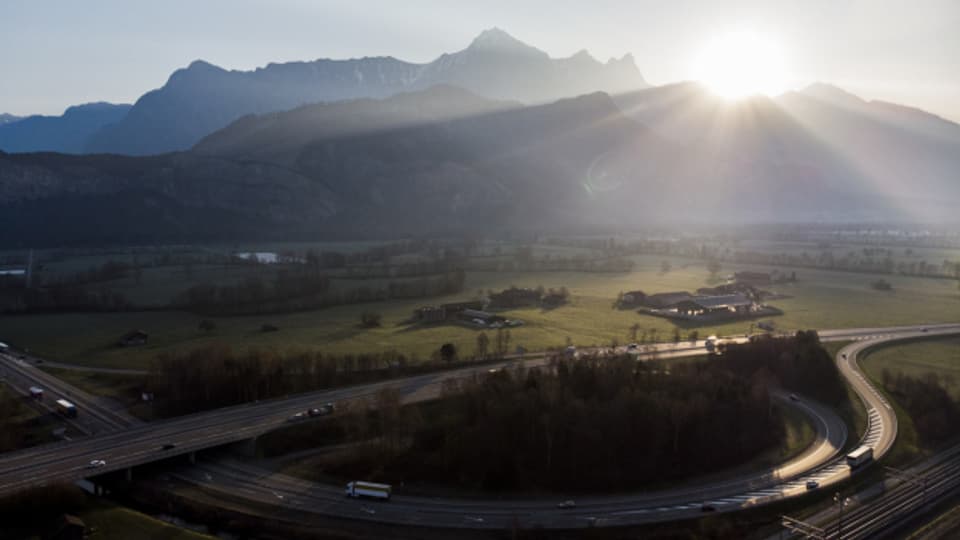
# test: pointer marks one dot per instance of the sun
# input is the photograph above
(741, 64)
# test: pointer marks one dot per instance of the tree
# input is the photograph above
(665, 267)
(632, 333)
(693, 336)
(206, 325)
(881, 285)
(370, 319)
(483, 344)
(676, 334)
(448, 352)
(714, 267)
(502, 341)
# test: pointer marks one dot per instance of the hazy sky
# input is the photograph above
(54, 53)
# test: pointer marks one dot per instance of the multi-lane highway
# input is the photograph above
(144, 443)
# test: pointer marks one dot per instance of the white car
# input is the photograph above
(96, 464)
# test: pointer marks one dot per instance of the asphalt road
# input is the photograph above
(143, 443)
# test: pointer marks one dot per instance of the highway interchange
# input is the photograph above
(124, 443)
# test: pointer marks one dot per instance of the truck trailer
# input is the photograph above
(66, 408)
(359, 489)
(859, 456)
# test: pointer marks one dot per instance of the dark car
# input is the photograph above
(327, 408)
(168, 446)
(314, 412)
(708, 508)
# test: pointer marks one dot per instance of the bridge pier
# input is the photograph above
(246, 448)
(192, 458)
(129, 474)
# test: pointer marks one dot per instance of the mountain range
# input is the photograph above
(446, 159)
(68, 133)
(202, 98)
(474, 142)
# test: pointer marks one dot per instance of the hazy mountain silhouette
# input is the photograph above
(203, 98)
(445, 159)
(67, 133)
(6, 118)
(833, 154)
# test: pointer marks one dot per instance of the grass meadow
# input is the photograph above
(820, 299)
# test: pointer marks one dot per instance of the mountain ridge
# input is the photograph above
(66, 133)
(446, 158)
(202, 98)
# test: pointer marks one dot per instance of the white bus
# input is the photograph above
(66, 408)
(359, 489)
(859, 456)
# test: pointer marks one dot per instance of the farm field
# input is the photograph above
(820, 299)
(940, 357)
(113, 522)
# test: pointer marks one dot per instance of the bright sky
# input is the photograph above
(54, 53)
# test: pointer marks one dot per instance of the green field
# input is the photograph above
(112, 522)
(940, 357)
(38, 425)
(820, 299)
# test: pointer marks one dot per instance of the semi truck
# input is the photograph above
(66, 408)
(359, 489)
(859, 456)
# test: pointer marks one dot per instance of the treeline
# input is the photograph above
(217, 376)
(934, 412)
(867, 260)
(62, 298)
(377, 271)
(590, 424)
(798, 363)
(301, 289)
(553, 263)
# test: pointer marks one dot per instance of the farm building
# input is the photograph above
(632, 298)
(133, 338)
(480, 317)
(667, 299)
(515, 297)
(709, 305)
(445, 312)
